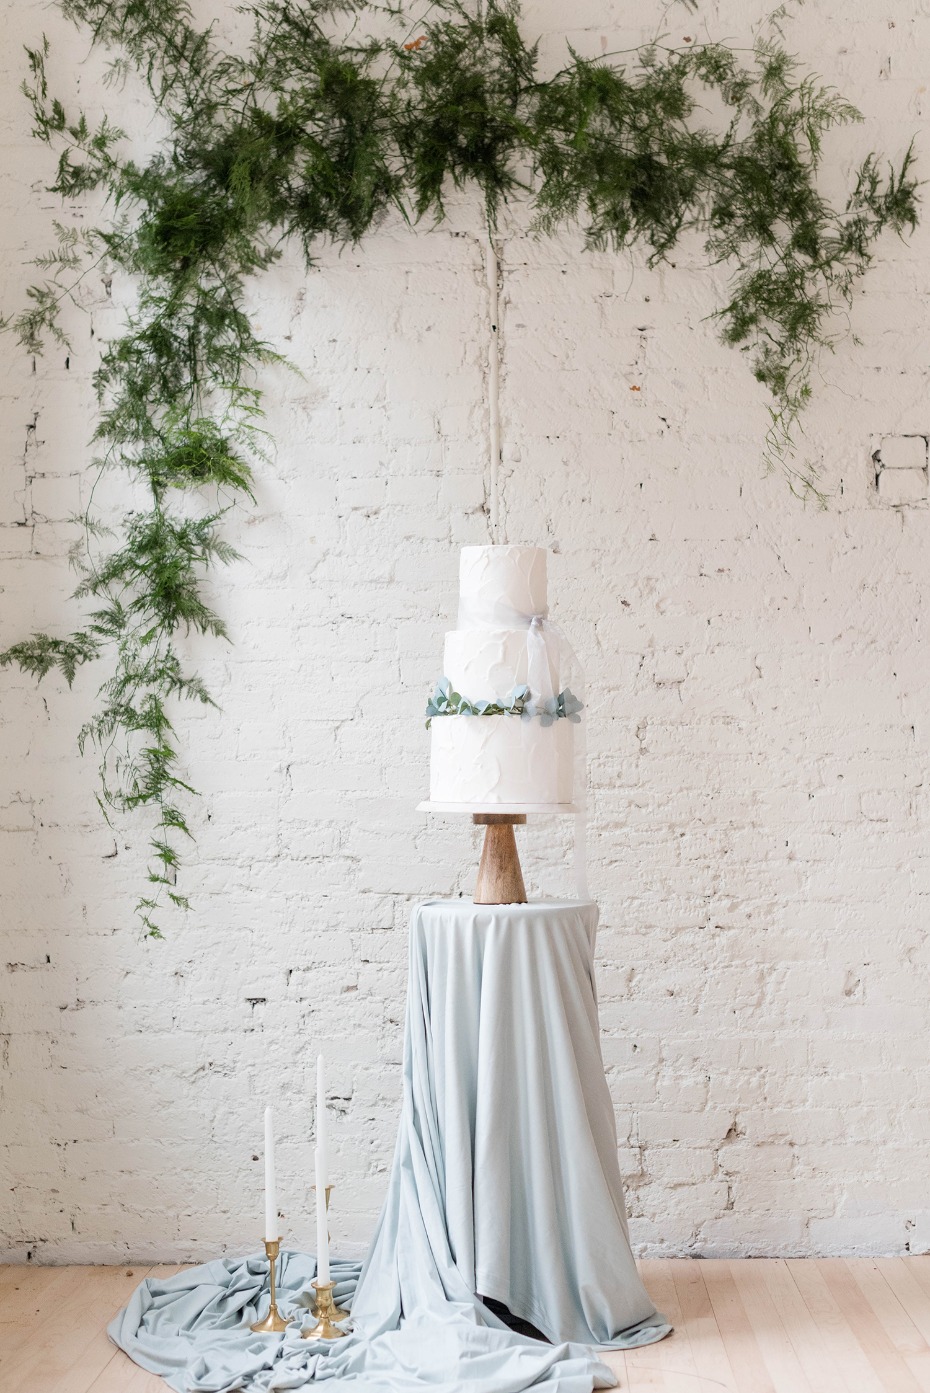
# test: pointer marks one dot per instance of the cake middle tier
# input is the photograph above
(488, 760)
(486, 664)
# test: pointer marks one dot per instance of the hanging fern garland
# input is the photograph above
(310, 137)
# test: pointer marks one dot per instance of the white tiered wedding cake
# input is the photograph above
(501, 724)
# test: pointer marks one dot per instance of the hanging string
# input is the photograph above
(492, 274)
(492, 270)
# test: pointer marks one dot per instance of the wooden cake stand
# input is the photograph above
(500, 876)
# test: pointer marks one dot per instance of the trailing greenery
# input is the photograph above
(447, 702)
(313, 133)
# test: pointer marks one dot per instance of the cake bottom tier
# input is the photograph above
(500, 759)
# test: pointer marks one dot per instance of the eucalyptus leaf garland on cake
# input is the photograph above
(519, 701)
(313, 133)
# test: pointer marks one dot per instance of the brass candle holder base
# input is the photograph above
(337, 1312)
(325, 1328)
(274, 1322)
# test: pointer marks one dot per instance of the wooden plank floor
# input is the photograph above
(764, 1326)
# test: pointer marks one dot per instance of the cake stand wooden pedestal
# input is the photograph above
(500, 877)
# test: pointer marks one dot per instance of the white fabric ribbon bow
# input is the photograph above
(542, 635)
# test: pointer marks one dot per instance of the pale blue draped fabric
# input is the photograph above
(503, 1063)
(505, 1182)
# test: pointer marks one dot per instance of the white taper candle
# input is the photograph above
(322, 1139)
(271, 1199)
(322, 1235)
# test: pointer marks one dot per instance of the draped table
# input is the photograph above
(505, 1186)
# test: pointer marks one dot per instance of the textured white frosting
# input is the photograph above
(501, 586)
(485, 761)
(486, 664)
(500, 759)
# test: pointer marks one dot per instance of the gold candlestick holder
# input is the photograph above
(337, 1312)
(325, 1329)
(274, 1322)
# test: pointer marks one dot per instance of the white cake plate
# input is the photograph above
(430, 807)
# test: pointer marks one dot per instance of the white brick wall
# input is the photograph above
(757, 676)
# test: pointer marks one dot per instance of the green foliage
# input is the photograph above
(520, 702)
(196, 454)
(41, 654)
(463, 100)
(311, 136)
(447, 702)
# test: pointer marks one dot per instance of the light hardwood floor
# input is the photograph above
(764, 1326)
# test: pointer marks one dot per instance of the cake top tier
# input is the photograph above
(501, 587)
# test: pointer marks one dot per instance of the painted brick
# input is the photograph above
(901, 486)
(903, 452)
